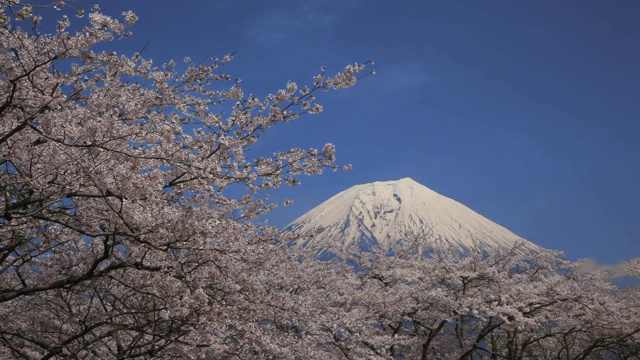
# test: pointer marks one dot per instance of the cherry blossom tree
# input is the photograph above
(443, 306)
(117, 238)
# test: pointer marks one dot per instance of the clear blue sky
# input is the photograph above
(525, 111)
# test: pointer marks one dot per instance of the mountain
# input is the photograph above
(380, 215)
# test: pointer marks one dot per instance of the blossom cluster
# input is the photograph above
(122, 234)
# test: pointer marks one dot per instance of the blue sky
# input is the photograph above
(525, 111)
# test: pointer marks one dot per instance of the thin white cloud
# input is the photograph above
(613, 271)
(295, 20)
(402, 76)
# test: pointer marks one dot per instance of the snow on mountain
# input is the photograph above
(382, 214)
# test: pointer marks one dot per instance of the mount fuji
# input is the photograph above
(380, 215)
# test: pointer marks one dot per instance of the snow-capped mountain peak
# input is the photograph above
(378, 215)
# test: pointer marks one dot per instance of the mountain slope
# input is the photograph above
(381, 215)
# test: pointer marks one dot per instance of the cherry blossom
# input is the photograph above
(119, 236)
